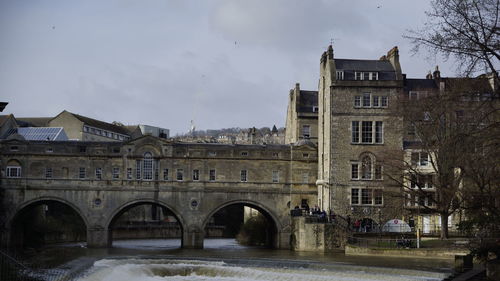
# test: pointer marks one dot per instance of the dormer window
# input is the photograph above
(340, 75)
(366, 75)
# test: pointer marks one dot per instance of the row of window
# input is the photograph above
(15, 172)
(359, 75)
(367, 132)
(420, 158)
(422, 200)
(366, 171)
(104, 133)
(366, 196)
(421, 182)
(367, 100)
(148, 175)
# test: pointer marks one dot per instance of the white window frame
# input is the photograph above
(358, 75)
(116, 173)
(212, 175)
(275, 176)
(339, 75)
(196, 175)
(48, 173)
(82, 173)
(129, 173)
(357, 101)
(98, 173)
(13, 172)
(376, 100)
(244, 176)
(358, 135)
(148, 166)
(306, 131)
(384, 101)
(366, 97)
(179, 175)
(165, 174)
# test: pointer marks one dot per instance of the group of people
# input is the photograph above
(362, 225)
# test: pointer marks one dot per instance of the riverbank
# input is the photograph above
(433, 253)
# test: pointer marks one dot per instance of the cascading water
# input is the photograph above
(178, 269)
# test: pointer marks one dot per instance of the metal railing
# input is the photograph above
(402, 243)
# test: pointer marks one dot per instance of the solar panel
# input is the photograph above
(40, 133)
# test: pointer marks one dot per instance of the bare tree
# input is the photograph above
(464, 29)
(434, 165)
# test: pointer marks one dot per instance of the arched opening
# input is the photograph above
(47, 222)
(248, 223)
(145, 224)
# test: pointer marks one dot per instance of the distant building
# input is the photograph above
(154, 131)
(83, 128)
(302, 116)
(7, 123)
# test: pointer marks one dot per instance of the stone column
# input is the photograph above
(98, 237)
(192, 238)
(283, 239)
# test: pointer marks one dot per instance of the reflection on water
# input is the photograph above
(163, 259)
(163, 269)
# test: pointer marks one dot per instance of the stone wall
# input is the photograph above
(316, 237)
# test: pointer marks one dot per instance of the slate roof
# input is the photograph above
(307, 100)
(33, 121)
(419, 84)
(101, 124)
(363, 65)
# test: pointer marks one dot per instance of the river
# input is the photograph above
(225, 259)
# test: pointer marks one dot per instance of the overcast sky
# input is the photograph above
(222, 63)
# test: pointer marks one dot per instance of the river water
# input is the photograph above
(225, 259)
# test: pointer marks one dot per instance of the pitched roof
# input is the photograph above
(33, 121)
(4, 118)
(39, 133)
(101, 124)
(363, 65)
(307, 100)
(419, 84)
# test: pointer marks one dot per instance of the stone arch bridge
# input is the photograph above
(100, 181)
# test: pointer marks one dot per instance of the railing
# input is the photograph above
(321, 218)
(402, 243)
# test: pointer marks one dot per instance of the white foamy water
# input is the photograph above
(166, 269)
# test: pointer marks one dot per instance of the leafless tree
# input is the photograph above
(464, 29)
(433, 168)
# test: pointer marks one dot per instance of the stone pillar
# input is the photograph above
(283, 239)
(192, 238)
(98, 237)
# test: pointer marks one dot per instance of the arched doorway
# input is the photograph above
(47, 221)
(141, 220)
(250, 223)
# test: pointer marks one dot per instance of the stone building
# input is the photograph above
(83, 128)
(355, 128)
(302, 116)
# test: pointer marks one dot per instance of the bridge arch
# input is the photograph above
(40, 200)
(16, 220)
(117, 212)
(267, 212)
